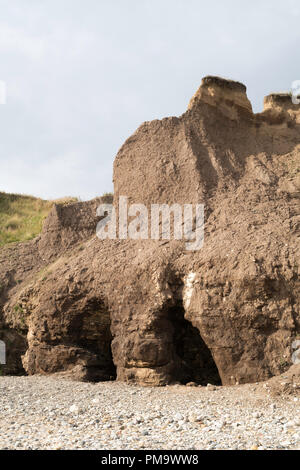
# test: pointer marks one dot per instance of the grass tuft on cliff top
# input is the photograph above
(21, 217)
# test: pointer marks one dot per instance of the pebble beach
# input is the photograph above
(50, 413)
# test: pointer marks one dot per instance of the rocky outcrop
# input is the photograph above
(66, 226)
(153, 312)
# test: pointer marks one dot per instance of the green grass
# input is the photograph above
(21, 217)
(108, 198)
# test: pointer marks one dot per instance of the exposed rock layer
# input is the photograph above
(150, 311)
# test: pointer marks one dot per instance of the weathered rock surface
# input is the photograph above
(152, 312)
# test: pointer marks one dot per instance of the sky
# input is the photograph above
(82, 75)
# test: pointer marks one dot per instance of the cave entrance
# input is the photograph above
(14, 346)
(94, 335)
(193, 359)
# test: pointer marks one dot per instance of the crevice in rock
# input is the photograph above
(193, 361)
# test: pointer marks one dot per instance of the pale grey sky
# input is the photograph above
(82, 75)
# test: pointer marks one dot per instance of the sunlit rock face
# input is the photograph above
(151, 311)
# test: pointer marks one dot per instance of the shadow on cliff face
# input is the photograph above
(193, 359)
(15, 347)
(90, 332)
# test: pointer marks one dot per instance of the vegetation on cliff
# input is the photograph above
(21, 216)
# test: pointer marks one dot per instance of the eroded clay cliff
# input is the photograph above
(152, 312)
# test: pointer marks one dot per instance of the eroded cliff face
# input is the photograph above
(152, 312)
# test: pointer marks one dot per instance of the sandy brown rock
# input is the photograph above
(153, 312)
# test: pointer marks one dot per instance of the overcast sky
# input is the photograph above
(82, 75)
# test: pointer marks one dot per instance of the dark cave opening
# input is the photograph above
(94, 336)
(193, 359)
(102, 369)
(15, 348)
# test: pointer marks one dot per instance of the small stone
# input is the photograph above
(74, 409)
(193, 418)
(211, 387)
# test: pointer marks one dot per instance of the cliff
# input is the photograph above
(153, 312)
